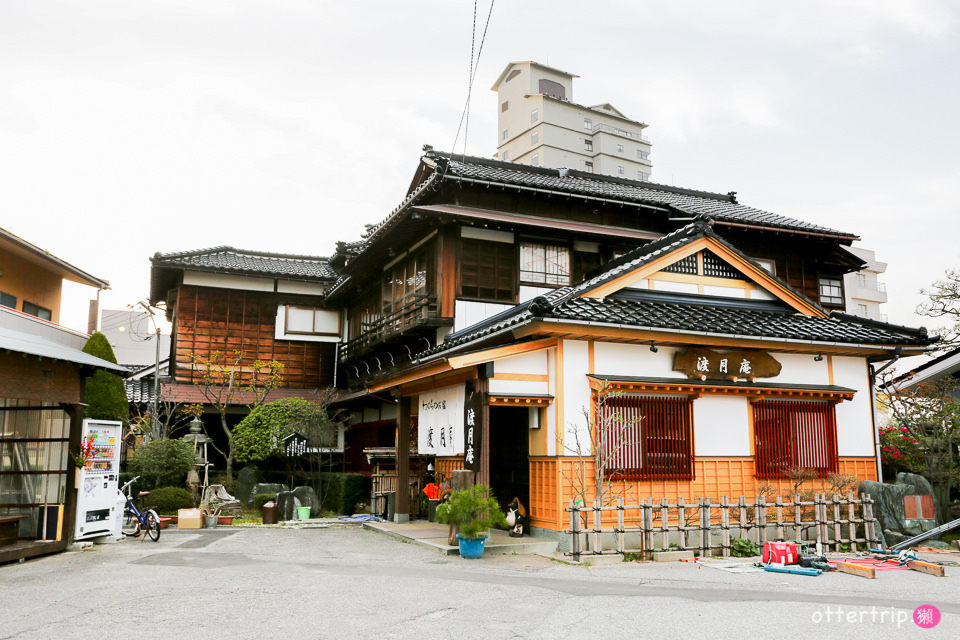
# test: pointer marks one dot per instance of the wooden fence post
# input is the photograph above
(780, 518)
(869, 528)
(575, 532)
(725, 526)
(797, 518)
(761, 520)
(704, 527)
(681, 524)
(851, 518)
(837, 527)
(597, 528)
(664, 521)
(620, 542)
(821, 543)
(744, 532)
(648, 524)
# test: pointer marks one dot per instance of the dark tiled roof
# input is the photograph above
(718, 207)
(228, 259)
(683, 312)
(139, 391)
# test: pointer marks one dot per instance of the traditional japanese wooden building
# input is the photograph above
(263, 306)
(515, 298)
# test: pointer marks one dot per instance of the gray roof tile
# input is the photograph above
(253, 262)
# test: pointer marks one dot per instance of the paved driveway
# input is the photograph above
(346, 582)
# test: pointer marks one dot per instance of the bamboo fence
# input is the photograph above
(824, 520)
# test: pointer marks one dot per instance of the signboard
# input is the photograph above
(472, 434)
(440, 424)
(739, 364)
(294, 445)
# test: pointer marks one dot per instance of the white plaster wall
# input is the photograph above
(727, 292)
(468, 313)
(721, 426)
(640, 283)
(611, 358)
(801, 369)
(552, 410)
(761, 294)
(854, 417)
(576, 395)
(529, 293)
(676, 287)
(522, 387)
(533, 363)
(292, 286)
(224, 281)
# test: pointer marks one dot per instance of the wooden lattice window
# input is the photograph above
(794, 434)
(488, 271)
(686, 265)
(715, 267)
(646, 438)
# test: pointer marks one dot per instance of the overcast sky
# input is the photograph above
(128, 128)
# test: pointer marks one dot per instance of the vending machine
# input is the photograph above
(99, 511)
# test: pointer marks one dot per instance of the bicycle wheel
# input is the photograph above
(131, 525)
(153, 525)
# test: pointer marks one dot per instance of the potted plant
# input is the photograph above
(474, 511)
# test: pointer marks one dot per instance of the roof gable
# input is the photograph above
(694, 260)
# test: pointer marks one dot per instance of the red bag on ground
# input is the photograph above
(781, 552)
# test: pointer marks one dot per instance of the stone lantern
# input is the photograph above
(199, 440)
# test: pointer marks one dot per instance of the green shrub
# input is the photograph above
(169, 500)
(340, 492)
(262, 498)
(743, 548)
(166, 461)
(474, 510)
(104, 393)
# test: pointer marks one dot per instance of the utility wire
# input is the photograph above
(474, 65)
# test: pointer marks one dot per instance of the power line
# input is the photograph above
(474, 65)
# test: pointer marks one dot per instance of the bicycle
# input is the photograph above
(136, 519)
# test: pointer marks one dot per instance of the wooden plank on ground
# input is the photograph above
(857, 570)
(926, 567)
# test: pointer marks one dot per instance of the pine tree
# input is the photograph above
(105, 395)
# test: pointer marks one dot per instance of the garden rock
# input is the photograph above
(247, 479)
(265, 487)
(308, 498)
(888, 505)
(287, 503)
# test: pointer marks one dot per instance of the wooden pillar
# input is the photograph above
(75, 412)
(402, 500)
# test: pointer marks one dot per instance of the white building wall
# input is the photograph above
(615, 359)
(854, 417)
(576, 396)
(721, 426)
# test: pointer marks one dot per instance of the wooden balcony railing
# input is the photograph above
(420, 309)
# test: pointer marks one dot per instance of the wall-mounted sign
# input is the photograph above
(707, 364)
(440, 421)
(471, 429)
(294, 445)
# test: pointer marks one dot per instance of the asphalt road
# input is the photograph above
(345, 582)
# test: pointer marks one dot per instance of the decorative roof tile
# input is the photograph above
(228, 259)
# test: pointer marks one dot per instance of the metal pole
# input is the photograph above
(156, 385)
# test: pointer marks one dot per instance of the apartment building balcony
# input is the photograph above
(620, 132)
(876, 294)
(414, 322)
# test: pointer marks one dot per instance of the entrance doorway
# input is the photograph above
(509, 454)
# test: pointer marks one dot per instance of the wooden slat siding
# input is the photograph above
(226, 320)
(658, 434)
(715, 477)
(542, 509)
(794, 434)
(447, 466)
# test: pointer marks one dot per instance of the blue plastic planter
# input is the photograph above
(471, 547)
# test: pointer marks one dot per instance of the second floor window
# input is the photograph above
(547, 264)
(588, 167)
(588, 145)
(488, 271)
(831, 291)
(36, 310)
(7, 300)
(309, 320)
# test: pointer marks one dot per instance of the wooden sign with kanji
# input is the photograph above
(739, 364)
